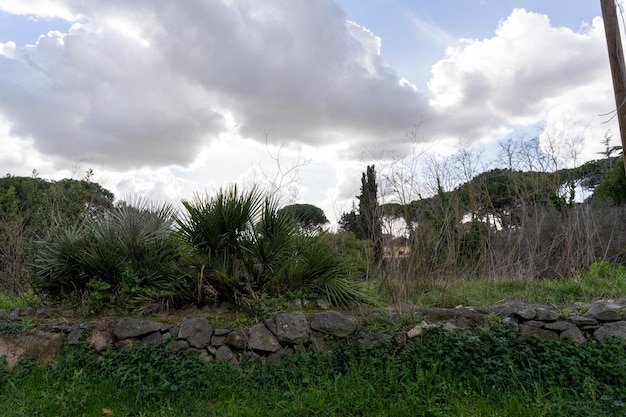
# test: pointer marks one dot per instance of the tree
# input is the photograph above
(366, 223)
(307, 215)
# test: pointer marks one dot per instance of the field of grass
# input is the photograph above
(487, 373)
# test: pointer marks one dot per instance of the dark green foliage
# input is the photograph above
(365, 223)
(127, 257)
(491, 372)
(30, 210)
(241, 247)
(612, 189)
(307, 215)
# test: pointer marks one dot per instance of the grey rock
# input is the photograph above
(275, 358)
(529, 331)
(217, 341)
(62, 328)
(606, 310)
(224, 354)
(249, 357)
(129, 327)
(560, 326)
(260, 338)
(611, 329)
(44, 312)
(573, 334)
(417, 330)
(526, 313)
(153, 339)
(374, 339)
(511, 323)
(582, 321)
(544, 314)
(26, 311)
(197, 331)
(15, 315)
(101, 337)
(74, 336)
(290, 328)
(178, 345)
(534, 323)
(323, 304)
(236, 340)
(462, 317)
(334, 323)
(220, 332)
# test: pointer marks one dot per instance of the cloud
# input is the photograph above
(527, 73)
(150, 83)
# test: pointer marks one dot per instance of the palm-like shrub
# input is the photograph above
(126, 257)
(215, 232)
(241, 246)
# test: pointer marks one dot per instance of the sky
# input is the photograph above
(166, 100)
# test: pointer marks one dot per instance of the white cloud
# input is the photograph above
(165, 98)
(529, 72)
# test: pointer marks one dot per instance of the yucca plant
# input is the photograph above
(215, 231)
(242, 246)
(129, 253)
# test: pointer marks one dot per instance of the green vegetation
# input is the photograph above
(444, 374)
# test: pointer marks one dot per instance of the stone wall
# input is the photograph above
(293, 332)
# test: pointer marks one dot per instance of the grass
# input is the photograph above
(492, 373)
(27, 299)
(603, 281)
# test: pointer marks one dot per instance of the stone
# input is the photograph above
(275, 358)
(526, 313)
(529, 331)
(40, 345)
(217, 341)
(236, 340)
(572, 334)
(544, 314)
(153, 339)
(221, 332)
(605, 311)
(73, 337)
(462, 317)
(101, 337)
(290, 328)
(582, 321)
(334, 323)
(560, 326)
(260, 338)
(15, 315)
(511, 323)
(224, 354)
(611, 329)
(129, 327)
(249, 357)
(371, 340)
(417, 330)
(323, 304)
(178, 345)
(197, 331)
(535, 323)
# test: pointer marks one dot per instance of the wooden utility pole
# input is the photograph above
(618, 69)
